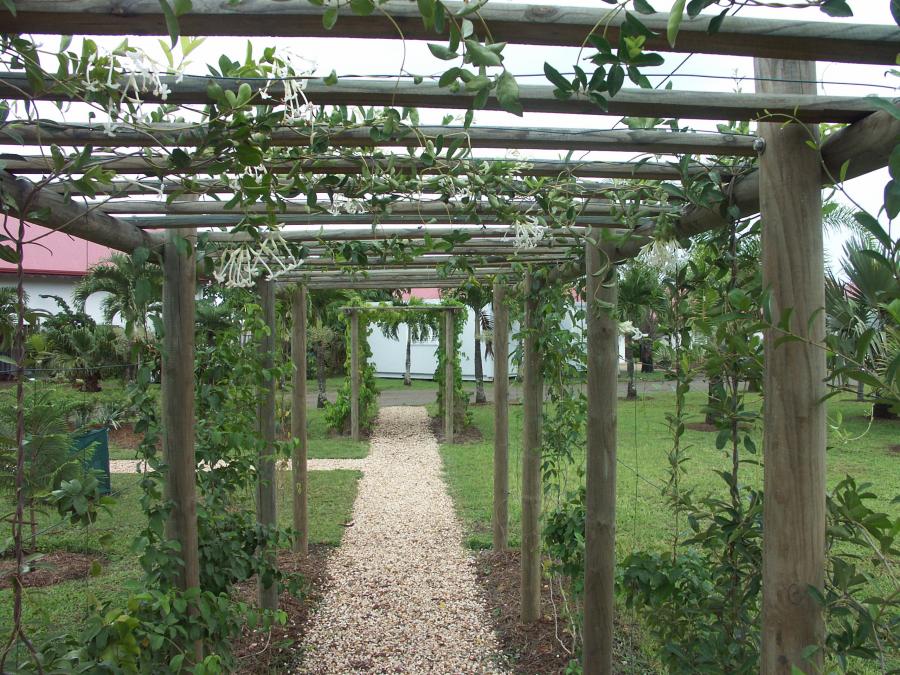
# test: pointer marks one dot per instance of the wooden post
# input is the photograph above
(179, 287)
(298, 420)
(794, 416)
(600, 501)
(500, 520)
(449, 360)
(265, 487)
(354, 375)
(532, 399)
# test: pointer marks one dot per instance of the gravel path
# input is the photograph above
(402, 593)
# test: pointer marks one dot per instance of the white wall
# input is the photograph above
(389, 356)
(61, 286)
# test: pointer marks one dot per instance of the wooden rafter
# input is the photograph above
(534, 98)
(524, 24)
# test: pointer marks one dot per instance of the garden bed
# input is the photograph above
(52, 568)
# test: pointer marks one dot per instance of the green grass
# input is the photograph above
(643, 519)
(64, 605)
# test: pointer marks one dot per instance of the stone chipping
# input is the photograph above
(402, 594)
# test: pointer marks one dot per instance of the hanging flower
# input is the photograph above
(628, 328)
(273, 256)
(529, 232)
(663, 255)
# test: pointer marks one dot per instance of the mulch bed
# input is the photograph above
(701, 426)
(267, 652)
(895, 449)
(124, 437)
(52, 568)
(470, 434)
(538, 647)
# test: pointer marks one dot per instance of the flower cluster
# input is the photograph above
(529, 232)
(240, 266)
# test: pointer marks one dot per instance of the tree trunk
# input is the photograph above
(479, 368)
(407, 377)
(860, 391)
(646, 355)
(629, 360)
(711, 417)
(322, 399)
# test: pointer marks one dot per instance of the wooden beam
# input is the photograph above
(159, 166)
(862, 147)
(265, 488)
(552, 25)
(177, 387)
(682, 104)
(300, 452)
(794, 420)
(600, 481)
(449, 372)
(152, 186)
(472, 231)
(436, 208)
(50, 209)
(500, 514)
(652, 141)
(532, 412)
(232, 219)
(354, 375)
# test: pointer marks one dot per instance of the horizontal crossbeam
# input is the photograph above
(515, 23)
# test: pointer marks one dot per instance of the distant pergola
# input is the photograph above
(786, 189)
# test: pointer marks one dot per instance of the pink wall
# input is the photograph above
(424, 293)
(56, 253)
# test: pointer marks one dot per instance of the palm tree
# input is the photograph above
(477, 295)
(420, 326)
(640, 293)
(323, 313)
(133, 292)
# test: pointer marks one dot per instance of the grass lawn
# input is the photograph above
(63, 605)
(643, 519)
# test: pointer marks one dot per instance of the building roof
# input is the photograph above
(54, 253)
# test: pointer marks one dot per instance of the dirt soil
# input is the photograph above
(539, 647)
(470, 434)
(52, 568)
(266, 652)
(701, 426)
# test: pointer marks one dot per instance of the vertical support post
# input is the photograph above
(532, 399)
(794, 374)
(600, 501)
(298, 421)
(500, 520)
(354, 375)
(265, 487)
(449, 372)
(179, 287)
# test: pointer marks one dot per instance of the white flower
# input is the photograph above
(662, 255)
(628, 328)
(529, 232)
(239, 266)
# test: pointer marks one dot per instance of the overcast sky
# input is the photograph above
(387, 57)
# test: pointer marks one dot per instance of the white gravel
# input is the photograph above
(402, 594)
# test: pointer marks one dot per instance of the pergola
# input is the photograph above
(785, 189)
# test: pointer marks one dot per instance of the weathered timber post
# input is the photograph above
(354, 375)
(532, 400)
(265, 487)
(500, 518)
(449, 373)
(179, 287)
(794, 421)
(600, 501)
(298, 420)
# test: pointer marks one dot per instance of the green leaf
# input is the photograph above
(895, 11)
(508, 93)
(836, 8)
(362, 7)
(643, 7)
(888, 106)
(874, 228)
(448, 77)
(330, 17)
(441, 52)
(171, 21)
(557, 78)
(892, 198)
(615, 79)
(676, 14)
(481, 55)
(331, 79)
